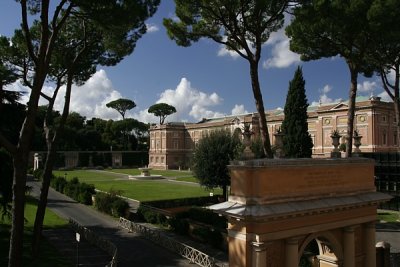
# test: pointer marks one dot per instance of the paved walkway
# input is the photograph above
(133, 249)
(390, 232)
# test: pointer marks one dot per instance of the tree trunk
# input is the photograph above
(41, 209)
(51, 141)
(351, 110)
(225, 192)
(260, 108)
(396, 100)
(18, 206)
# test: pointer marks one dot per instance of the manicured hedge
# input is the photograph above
(183, 202)
(151, 216)
(199, 223)
(111, 204)
(81, 192)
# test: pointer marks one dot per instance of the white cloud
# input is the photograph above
(281, 56)
(152, 27)
(186, 100)
(324, 98)
(89, 100)
(326, 89)
(367, 87)
(238, 110)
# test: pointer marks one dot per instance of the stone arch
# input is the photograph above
(323, 239)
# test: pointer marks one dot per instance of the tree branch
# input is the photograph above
(385, 83)
(25, 29)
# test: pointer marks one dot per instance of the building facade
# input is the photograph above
(172, 144)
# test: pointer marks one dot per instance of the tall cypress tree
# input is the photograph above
(297, 141)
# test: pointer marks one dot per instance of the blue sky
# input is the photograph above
(203, 80)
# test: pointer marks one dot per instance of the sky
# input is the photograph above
(201, 81)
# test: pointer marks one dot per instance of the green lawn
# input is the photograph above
(139, 189)
(165, 173)
(49, 255)
(388, 216)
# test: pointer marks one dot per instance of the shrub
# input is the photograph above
(209, 236)
(119, 207)
(58, 183)
(80, 192)
(207, 217)
(85, 193)
(179, 225)
(103, 202)
(38, 174)
(111, 204)
(151, 216)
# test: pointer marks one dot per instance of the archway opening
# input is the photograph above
(319, 252)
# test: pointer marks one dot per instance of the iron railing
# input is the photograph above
(97, 241)
(193, 255)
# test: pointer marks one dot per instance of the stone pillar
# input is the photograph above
(259, 254)
(348, 247)
(369, 245)
(37, 161)
(292, 252)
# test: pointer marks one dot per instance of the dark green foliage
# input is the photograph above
(111, 204)
(183, 202)
(58, 183)
(208, 235)
(162, 110)
(121, 105)
(297, 142)
(137, 159)
(208, 225)
(38, 174)
(211, 158)
(256, 147)
(179, 225)
(81, 192)
(6, 178)
(205, 216)
(151, 216)
(119, 208)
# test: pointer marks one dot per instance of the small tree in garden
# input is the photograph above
(297, 142)
(211, 157)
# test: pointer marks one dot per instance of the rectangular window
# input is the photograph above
(176, 144)
(384, 138)
(395, 138)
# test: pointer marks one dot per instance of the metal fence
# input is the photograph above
(387, 176)
(193, 255)
(97, 241)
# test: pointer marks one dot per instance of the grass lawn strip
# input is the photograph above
(389, 216)
(138, 189)
(49, 256)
